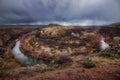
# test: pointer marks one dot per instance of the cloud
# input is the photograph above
(74, 12)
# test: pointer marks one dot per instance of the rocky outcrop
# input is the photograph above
(50, 42)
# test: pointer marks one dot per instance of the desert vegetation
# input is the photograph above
(61, 52)
(87, 63)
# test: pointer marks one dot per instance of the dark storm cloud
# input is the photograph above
(67, 12)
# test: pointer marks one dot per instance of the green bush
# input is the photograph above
(87, 63)
(45, 69)
(108, 55)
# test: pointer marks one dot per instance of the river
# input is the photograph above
(24, 59)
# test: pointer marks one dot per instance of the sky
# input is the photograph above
(65, 12)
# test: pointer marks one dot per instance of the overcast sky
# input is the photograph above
(67, 12)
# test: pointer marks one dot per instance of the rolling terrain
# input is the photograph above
(56, 52)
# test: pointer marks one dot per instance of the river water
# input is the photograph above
(104, 45)
(24, 59)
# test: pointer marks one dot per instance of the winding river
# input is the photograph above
(29, 61)
(23, 59)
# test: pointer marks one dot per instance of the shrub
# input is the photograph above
(62, 59)
(45, 69)
(108, 54)
(87, 63)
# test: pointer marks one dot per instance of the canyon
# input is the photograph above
(56, 52)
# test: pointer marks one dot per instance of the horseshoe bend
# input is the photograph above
(56, 52)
